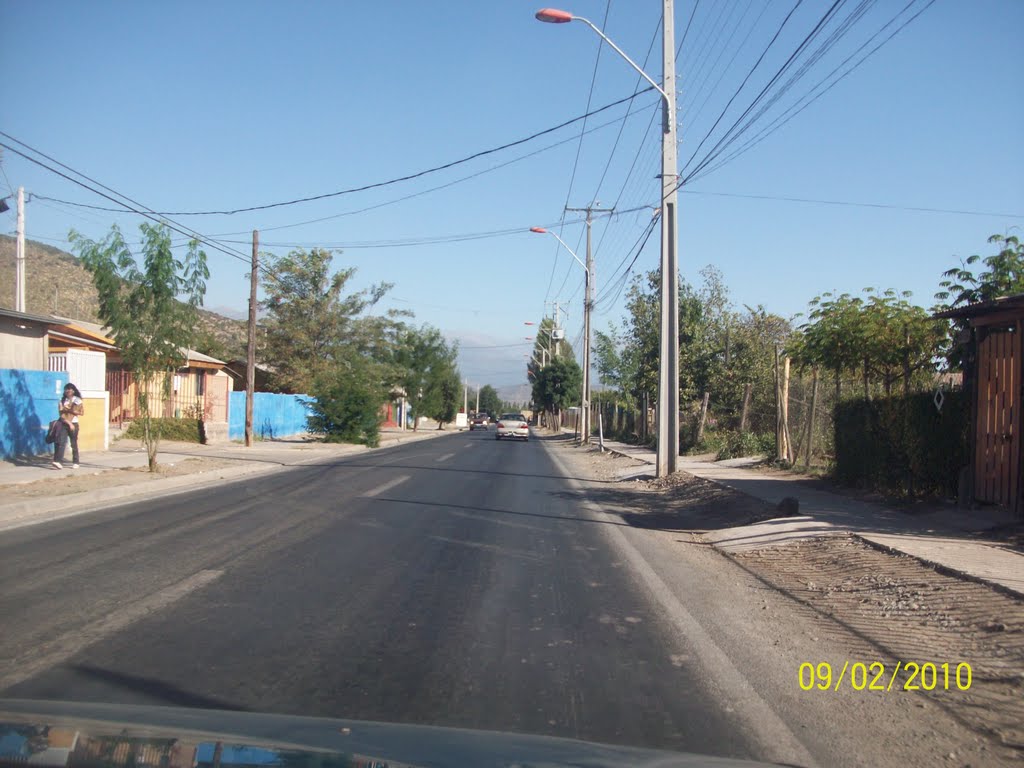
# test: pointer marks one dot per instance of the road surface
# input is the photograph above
(457, 581)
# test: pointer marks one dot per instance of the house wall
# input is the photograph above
(273, 415)
(28, 402)
(22, 347)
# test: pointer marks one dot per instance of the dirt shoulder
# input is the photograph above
(842, 600)
(72, 481)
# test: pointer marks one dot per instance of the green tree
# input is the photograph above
(834, 337)
(423, 363)
(207, 343)
(750, 360)
(444, 393)
(1002, 274)
(881, 338)
(489, 400)
(346, 402)
(141, 307)
(546, 347)
(310, 322)
(558, 385)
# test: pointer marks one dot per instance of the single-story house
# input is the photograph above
(90, 359)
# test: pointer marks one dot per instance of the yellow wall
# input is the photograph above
(92, 425)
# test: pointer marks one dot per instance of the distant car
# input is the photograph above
(479, 421)
(512, 425)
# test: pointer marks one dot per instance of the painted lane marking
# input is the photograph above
(386, 486)
(445, 457)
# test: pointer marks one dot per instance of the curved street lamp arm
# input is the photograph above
(570, 250)
(622, 53)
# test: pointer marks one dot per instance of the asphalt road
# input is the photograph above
(455, 581)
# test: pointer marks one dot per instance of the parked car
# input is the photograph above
(512, 425)
(479, 421)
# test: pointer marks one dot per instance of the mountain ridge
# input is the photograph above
(56, 283)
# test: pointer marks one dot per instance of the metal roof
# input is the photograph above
(979, 308)
(25, 316)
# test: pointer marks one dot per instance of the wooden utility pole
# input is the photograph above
(810, 418)
(250, 361)
(787, 453)
(783, 450)
(19, 255)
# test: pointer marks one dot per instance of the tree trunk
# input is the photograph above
(867, 388)
(643, 417)
(906, 363)
(703, 416)
(745, 414)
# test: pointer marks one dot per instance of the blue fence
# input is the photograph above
(273, 416)
(28, 401)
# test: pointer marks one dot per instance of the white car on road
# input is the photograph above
(512, 425)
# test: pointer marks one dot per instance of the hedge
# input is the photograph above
(903, 445)
(184, 430)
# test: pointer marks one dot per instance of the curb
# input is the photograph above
(939, 567)
(25, 513)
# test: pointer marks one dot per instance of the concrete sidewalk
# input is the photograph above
(946, 538)
(42, 499)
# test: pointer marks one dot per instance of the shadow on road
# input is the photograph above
(157, 689)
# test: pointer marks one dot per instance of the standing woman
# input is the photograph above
(71, 407)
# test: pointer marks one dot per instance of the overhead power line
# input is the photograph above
(744, 83)
(622, 119)
(810, 97)
(399, 179)
(854, 204)
(140, 209)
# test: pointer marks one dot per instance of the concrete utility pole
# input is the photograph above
(668, 370)
(588, 308)
(250, 362)
(477, 400)
(19, 256)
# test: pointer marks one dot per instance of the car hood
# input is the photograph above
(45, 733)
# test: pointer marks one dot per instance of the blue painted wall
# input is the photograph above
(28, 402)
(273, 416)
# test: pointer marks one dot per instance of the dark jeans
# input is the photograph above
(69, 431)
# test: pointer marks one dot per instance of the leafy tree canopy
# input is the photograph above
(311, 323)
(489, 400)
(1001, 274)
(142, 307)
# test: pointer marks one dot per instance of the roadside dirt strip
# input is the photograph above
(904, 611)
(887, 625)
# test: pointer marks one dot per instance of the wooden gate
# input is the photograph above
(997, 433)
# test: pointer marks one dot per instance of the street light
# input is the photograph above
(585, 395)
(668, 368)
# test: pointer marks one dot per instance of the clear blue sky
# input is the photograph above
(204, 106)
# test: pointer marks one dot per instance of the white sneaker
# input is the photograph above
(56, 465)
(74, 466)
